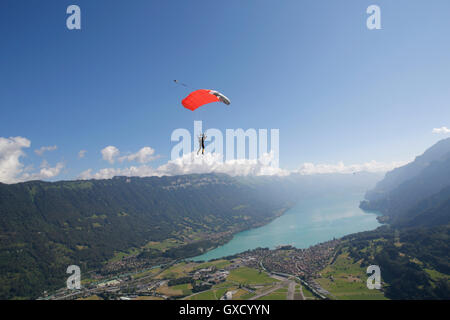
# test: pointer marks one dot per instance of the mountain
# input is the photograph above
(414, 262)
(393, 179)
(412, 251)
(432, 211)
(412, 194)
(45, 227)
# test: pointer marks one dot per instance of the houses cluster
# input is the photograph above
(289, 260)
(210, 276)
(310, 261)
(128, 264)
(109, 283)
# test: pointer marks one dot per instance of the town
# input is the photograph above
(282, 273)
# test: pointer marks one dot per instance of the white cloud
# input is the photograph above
(110, 153)
(146, 154)
(81, 153)
(441, 130)
(12, 170)
(41, 150)
(10, 153)
(191, 163)
(46, 172)
(372, 166)
(212, 162)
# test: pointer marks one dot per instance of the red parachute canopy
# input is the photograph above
(201, 97)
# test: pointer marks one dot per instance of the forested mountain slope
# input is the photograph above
(411, 195)
(44, 227)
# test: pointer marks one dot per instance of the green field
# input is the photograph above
(185, 288)
(308, 294)
(215, 293)
(164, 245)
(146, 273)
(177, 270)
(247, 296)
(436, 276)
(249, 276)
(346, 280)
(219, 291)
(207, 295)
(119, 255)
(274, 296)
(279, 294)
(219, 264)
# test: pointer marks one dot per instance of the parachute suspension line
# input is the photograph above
(184, 85)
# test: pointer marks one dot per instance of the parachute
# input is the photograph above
(201, 97)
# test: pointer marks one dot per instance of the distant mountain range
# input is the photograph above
(417, 194)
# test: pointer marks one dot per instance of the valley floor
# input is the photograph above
(331, 270)
(261, 274)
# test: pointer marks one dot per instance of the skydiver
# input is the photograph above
(201, 142)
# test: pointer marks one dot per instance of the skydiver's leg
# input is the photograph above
(200, 148)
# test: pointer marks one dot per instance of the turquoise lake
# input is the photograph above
(313, 220)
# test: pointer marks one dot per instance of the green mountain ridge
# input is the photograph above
(45, 227)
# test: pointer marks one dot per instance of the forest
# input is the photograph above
(45, 227)
(414, 262)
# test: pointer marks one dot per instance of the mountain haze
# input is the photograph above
(415, 194)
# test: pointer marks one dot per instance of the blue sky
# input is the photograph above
(336, 90)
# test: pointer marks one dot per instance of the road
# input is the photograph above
(301, 293)
(283, 283)
(291, 290)
(278, 286)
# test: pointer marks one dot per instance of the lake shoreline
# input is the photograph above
(307, 223)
